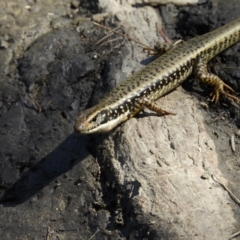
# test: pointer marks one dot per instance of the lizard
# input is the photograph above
(160, 77)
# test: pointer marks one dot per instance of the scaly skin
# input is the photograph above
(160, 77)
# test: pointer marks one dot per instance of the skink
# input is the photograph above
(160, 77)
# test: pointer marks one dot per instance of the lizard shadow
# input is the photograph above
(69, 153)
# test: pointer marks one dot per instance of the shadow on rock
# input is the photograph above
(69, 153)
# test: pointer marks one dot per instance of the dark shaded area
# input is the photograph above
(69, 153)
(39, 151)
(91, 5)
(56, 76)
(39, 111)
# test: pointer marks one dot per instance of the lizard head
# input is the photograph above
(94, 120)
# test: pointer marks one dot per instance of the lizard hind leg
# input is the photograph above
(214, 81)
